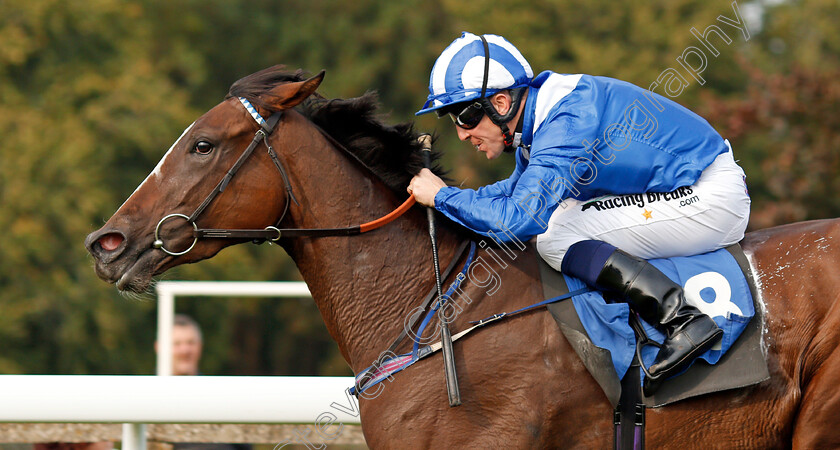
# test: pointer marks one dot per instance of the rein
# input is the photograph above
(269, 233)
(390, 363)
(273, 234)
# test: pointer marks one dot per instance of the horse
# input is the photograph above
(337, 164)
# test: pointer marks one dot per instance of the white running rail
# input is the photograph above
(137, 399)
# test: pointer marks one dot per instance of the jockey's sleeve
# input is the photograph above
(520, 206)
(502, 187)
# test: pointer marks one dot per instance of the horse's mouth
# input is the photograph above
(129, 260)
(133, 272)
(138, 276)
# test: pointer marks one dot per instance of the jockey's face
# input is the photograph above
(487, 137)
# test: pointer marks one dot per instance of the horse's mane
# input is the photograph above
(391, 152)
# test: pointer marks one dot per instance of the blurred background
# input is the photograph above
(93, 92)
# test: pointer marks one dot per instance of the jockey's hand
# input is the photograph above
(425, 185)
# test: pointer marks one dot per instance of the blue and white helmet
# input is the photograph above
(458, 73)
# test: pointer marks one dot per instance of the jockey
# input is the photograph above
(607, 175)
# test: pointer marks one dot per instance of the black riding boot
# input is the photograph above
(661, 302)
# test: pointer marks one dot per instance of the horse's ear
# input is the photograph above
(289, 95)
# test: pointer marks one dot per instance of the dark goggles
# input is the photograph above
(469, 117)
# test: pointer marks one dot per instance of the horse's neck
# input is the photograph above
(366, 285)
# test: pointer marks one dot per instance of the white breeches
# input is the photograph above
(711, 214)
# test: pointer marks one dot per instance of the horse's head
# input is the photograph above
(125, 249)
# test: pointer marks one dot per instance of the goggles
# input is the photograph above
(469, 117)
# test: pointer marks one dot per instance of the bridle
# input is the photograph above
(273, 233)
(269, 233)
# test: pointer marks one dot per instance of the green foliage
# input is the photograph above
(789, 137)
(70, 77)
(92, 93)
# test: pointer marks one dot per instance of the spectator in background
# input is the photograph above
(186, 345)
(186, 355)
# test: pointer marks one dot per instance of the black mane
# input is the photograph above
(391, 152)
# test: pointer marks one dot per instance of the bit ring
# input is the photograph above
(159, 242)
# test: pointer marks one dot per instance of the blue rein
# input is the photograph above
(383, 370)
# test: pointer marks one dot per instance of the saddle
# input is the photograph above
(742, 365)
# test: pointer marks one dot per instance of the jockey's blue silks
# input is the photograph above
(589, 137)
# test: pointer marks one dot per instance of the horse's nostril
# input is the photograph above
(110, 241)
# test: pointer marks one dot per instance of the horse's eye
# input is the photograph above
(203, 147)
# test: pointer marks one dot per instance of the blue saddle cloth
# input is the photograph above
(712, 281)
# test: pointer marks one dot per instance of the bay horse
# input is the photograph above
(521, 383)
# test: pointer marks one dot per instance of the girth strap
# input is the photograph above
(629, 415)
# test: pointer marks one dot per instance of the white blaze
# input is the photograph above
(156, 172)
